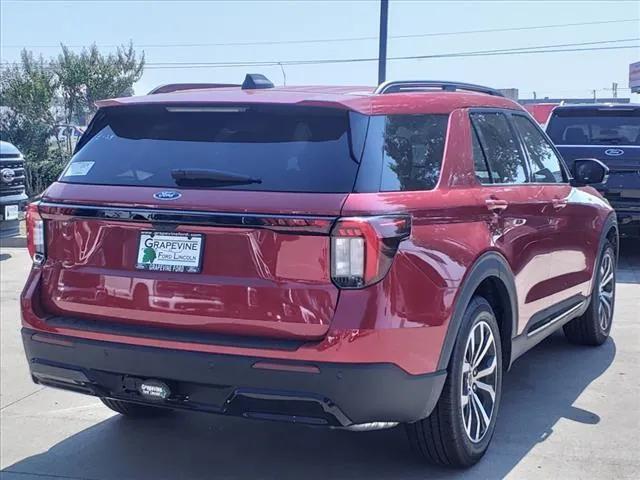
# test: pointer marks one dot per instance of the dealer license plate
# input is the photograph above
(170, 252)
(11, 212)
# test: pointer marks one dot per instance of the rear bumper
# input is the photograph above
(317, 393)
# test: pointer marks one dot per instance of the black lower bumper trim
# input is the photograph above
(334, 394)
(163, 333)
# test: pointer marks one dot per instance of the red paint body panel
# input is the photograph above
(253, 281)
(259, 282)
(414, 350)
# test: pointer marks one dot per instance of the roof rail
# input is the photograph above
(176, 87)
(396, 86)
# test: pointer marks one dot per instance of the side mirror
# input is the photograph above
(588, 171)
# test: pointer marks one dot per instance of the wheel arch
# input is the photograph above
(610, 233)
(491, 277)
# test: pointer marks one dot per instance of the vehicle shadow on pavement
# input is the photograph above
(539, 391)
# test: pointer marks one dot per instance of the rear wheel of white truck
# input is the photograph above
(460, 428)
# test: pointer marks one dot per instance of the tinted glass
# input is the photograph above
(500, 148)
(545, 164)
(412, 152)
(289, 149)
(479, 161)
(595, 127)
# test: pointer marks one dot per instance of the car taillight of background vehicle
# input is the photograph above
(35, 234)
(362, 248)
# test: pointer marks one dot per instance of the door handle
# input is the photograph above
(559, 203)
(496, 206)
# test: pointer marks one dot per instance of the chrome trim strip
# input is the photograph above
(367, 427)
(190, 217)
(556, 319)
(560, 145)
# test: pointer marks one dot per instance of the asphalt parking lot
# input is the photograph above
(568, 412)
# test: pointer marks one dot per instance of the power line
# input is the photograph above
(454, 54)
(414, 57)
(479, 53)
(343, 39)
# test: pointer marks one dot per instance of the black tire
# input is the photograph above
(134, 410)
(589, 328)
(442, 438)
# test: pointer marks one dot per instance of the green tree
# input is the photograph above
(89, 76)
(37, 95)
(27, 93)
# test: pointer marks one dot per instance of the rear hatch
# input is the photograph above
(610, 134)
(200, 218)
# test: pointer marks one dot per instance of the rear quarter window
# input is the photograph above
(413, 147)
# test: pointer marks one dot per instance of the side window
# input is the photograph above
(479, 161)
(412, 152)
(500, 147)
(545, 164)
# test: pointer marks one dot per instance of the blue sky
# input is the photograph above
(40, 23)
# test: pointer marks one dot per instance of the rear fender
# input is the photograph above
(490, 264)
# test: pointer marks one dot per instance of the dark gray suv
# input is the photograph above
(610, 133)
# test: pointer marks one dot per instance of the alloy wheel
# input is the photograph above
(606, 291)
(479, 380)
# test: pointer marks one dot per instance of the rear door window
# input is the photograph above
(483, 174)
(412, 151)
(287, 149)
(544, 163)
(500, 147)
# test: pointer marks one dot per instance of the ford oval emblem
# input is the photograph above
(614, 152)
(167, 195)
(7, 175)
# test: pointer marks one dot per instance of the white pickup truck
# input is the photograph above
(12, 193)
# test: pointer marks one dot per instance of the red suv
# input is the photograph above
(334, 256)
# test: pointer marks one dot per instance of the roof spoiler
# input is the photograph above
(177, 87)
(397, 86)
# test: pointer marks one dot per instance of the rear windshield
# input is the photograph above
(595, 127)
(286, 149)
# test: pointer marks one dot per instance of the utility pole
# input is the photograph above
(382, 52)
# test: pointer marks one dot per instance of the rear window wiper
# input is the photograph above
(207, 177)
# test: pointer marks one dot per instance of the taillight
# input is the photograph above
(362, 248)
(35, 234)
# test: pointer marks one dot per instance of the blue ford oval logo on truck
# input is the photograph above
(167, 195)
(614, 152)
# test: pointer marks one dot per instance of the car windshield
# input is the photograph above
(288, 149)
(595, 127)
